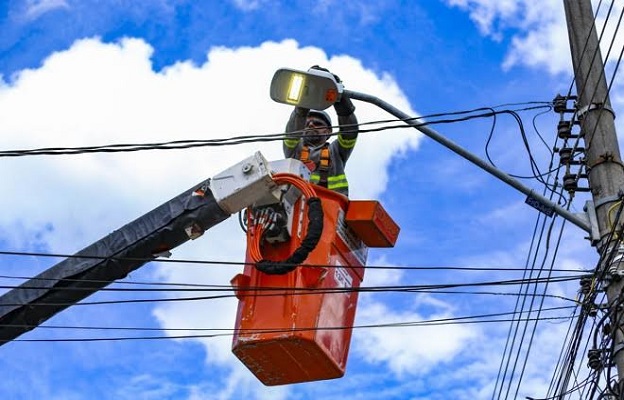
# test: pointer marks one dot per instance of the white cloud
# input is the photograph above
(36, 8)
(403, 350)
(382, 276)
(538, 27)
(537, 38)
(101, 93)
(544, 47)
(486, 13)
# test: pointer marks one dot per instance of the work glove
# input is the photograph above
(301, 112)
(343, 107)
(326, 70)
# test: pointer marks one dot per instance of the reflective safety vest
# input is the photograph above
(321, 170)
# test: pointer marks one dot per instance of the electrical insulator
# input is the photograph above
(594, 361)
(564, 129)
(570, 183)
(560, 104)
(565, 155)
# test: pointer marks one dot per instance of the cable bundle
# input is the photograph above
(313, 235)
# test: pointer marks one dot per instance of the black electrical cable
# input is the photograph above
(584, 50)
(567, 368)
(472, 117)
(583, 314)
(530, 309)
(291, 290)
(313, 235)
(537, 174)
(513, 328)
(535, 296)
(537, 132)
(480, 318)
(551, 169)
(602, 364)
(597, 51)
(408, 324)
(572, 343)
(561, 395)
(241, 263)
(187, 144)
(569, 333)
(559, 366)
(441, 322)
(566, 343)
(242, 220)
(604, 100)
(586, 309)
(188, 287)
(604, 259)
(273, 292)
(208, 262)
(511, 339)
(593, 58)
(503, 376)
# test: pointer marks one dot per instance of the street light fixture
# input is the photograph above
(314, 89)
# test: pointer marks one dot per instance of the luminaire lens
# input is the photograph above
(296, 85)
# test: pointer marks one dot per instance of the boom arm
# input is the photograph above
(113, 257)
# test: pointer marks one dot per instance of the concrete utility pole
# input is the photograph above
(604, 165)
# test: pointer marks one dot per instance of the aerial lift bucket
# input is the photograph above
(296, 327)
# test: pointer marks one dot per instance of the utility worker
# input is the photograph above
(308, 132)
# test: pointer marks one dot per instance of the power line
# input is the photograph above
(567, 370)
(229, 331)
(241, 263)
(596, 51)
(535, 296)
(237, 140)
(523, 294)
(280, 291)
(272, 291)
(602, 71)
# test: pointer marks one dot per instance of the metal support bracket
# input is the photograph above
(591, 107)
(592, 219)
(607, 199)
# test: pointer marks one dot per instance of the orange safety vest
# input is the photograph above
(322, 166)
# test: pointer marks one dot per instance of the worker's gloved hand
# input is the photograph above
(301, 112)
(344, 107)
(336, 77)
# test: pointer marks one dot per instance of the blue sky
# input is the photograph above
(89, 72)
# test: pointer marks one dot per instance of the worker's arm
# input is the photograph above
(347, 136)
(294, 128)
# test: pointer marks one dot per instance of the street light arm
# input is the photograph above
(566, 214)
